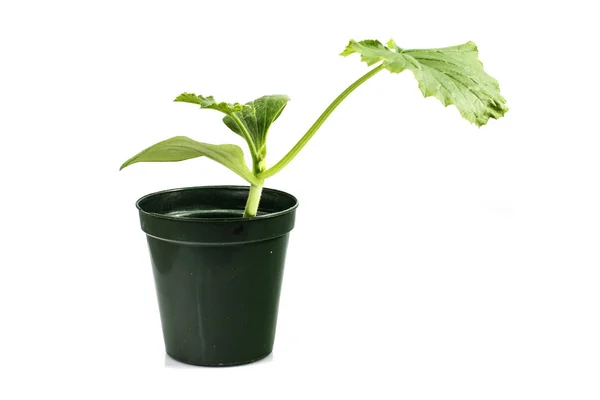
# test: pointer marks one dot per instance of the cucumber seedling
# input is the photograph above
(454, 75)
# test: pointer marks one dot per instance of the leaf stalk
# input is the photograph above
(316, 125)
(246, 135)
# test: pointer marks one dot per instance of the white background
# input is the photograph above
(431, 259)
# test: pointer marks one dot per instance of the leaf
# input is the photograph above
(257, 117)
(181, 148)
(454, 75)
(209, 102)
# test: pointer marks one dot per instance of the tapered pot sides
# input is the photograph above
(218, 276)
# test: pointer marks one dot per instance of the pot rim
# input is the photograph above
(225, 219)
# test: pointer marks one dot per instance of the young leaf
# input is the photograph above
(209, 102)
(181, 148)
(257, 117)
(454, 75)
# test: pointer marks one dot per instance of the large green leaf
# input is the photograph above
(454, 75)
(209, 102)
(181, 148)
(257, 118)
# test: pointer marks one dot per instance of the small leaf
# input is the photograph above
(181, 148)
(454, 75)
(257, 117)
(209, 102)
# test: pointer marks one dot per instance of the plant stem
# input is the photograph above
(257, 166)
(253, 200)
(313, 129)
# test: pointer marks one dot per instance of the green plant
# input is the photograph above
(454, 75)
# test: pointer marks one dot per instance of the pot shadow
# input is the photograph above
(170, 362)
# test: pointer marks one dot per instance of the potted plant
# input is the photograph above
(218, 252)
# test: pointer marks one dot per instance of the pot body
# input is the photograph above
(218, 276)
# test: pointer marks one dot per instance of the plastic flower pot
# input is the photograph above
(218, 276)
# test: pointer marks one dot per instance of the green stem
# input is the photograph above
(253, 200)
(315, 127)
(255, 189)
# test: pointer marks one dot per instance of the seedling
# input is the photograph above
(454, 75)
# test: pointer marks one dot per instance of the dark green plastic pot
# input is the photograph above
(218, 275)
